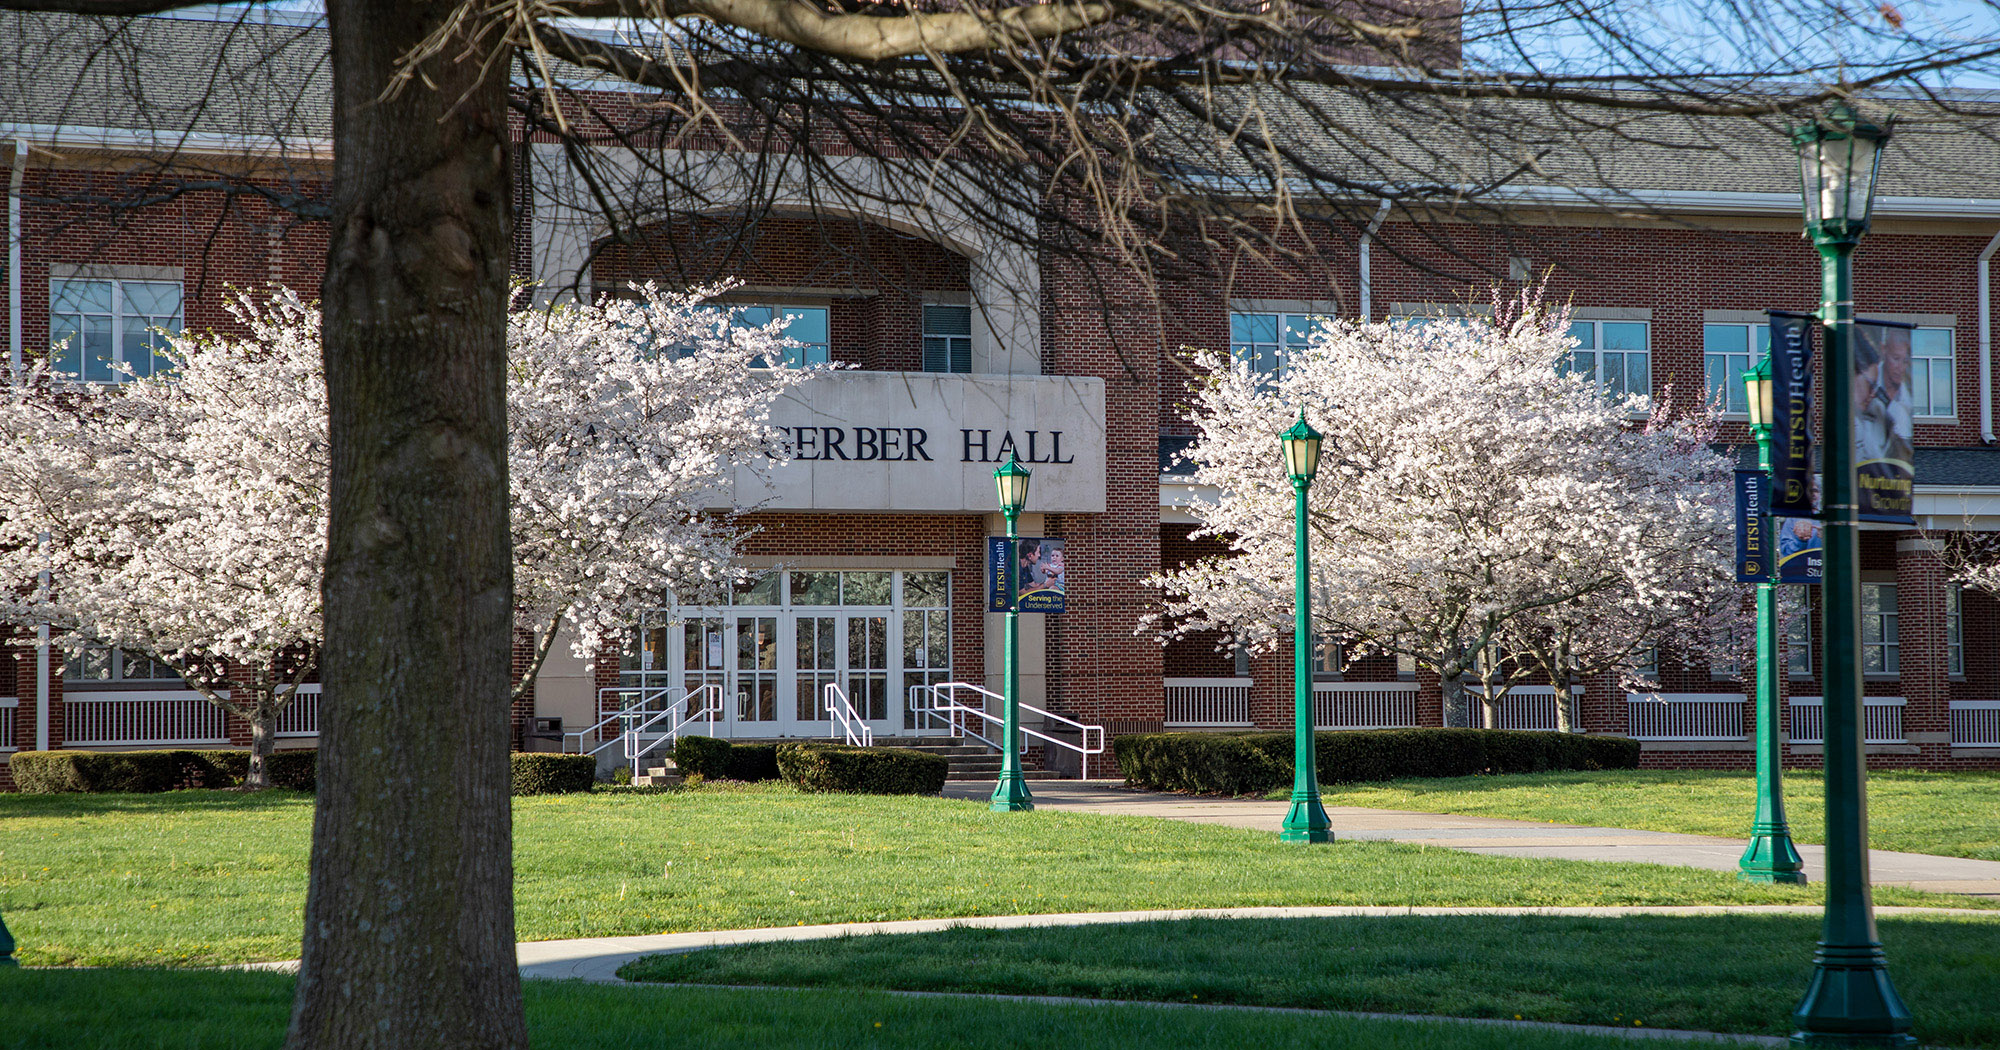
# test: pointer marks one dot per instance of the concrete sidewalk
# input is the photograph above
(598, 958)
(1508, 838)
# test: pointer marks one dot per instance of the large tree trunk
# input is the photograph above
(409, 925)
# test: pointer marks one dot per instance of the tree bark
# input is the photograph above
(409, 925)
(263, 721)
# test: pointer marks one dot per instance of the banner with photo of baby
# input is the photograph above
(1028, 570)
(1884, 423)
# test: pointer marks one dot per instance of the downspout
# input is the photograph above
(1367, 279)
(1986, 341)
(14, 239)
(42, 658)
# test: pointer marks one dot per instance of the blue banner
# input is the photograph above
(1753, 547)
(1884, 428)
(1791, 413)
(999, 574)
(1028, 570)
(1801, 554)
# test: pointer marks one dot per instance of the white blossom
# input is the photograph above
(1471, 493)
(185, 513)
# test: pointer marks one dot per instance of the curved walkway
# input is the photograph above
(598, 958)
(1512, 838)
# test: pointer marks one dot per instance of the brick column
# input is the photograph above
(1430, 698)
(1271, 688)
(523, 708)
(1925, 670)
(1601, 708)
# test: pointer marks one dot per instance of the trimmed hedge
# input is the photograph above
(1202, 763)
(549, 773)
(715, 759)
(862, 770)
(1218, 764)
(147, 772)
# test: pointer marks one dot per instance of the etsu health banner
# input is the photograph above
(1791, 413)
(1029, 570)
(1884, 470)
(1753, 546)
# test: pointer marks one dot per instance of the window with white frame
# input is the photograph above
(1327, 658)
(1614, 355)
(1798, 644)
(1932, 391)
(1728, 351)
(104, 663)
(806, 326)
(1954, 640)
(1878, 629)
(1646, 663)
(947, 338)
(99, 328)
(1261, 341)
(1725, 657)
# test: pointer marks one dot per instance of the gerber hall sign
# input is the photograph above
(914, 441)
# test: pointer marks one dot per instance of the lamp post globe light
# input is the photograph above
(1011, 793)
(1850, 1001)
(1306, 820)
(1771, 857)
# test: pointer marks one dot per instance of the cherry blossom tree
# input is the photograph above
(1694, 608)
(1472, 494)
(615, 446)
(185, 513)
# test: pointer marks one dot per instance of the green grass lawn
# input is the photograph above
(1732, 973)
(152, 1009)
(1952, 814)
(200, 878)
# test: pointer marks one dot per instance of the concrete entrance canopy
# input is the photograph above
(1005, 278)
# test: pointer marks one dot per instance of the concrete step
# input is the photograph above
(960, 777)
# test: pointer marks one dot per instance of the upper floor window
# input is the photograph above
(1262, 341)
(98, 324)
(1728, 351)
(807, 327)
(947, 338)
(1931, 381)
(1614, 355)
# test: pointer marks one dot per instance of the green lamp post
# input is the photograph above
(1850, 1001)
(1011, 793)
(1306, 820)
(1771, 856)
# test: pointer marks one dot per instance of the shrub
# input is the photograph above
(142, 772)
(714, 759)
(294, 768)
(548, 773)
(1203, 763)
(862, 770)
(1220, 764)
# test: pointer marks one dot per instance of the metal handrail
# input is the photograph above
(845, 718)
(711, 707)
(944, 698)
(646, 696)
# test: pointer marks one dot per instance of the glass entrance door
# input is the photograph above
(785, 637)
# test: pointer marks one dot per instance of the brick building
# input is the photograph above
(871, 544)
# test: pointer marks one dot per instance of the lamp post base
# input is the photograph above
(1771, 857)
(1850, 1002)
(1011, 795)
(1306, 821)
